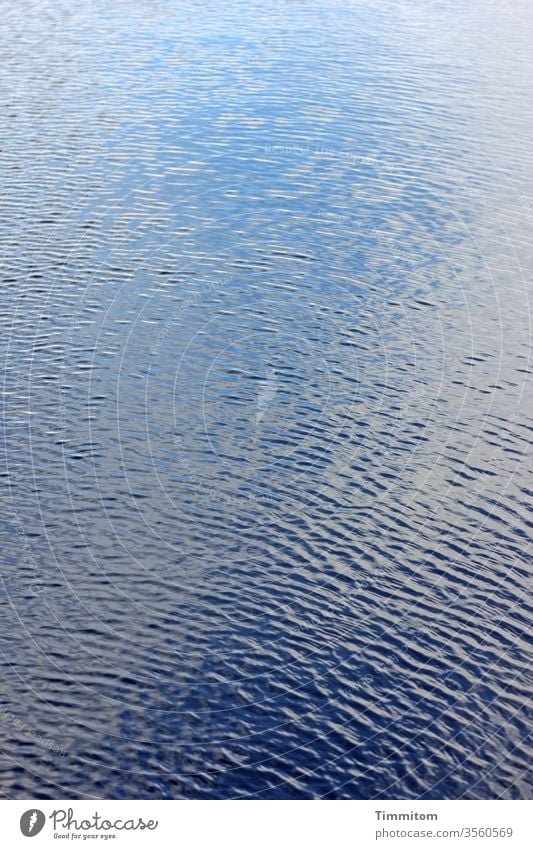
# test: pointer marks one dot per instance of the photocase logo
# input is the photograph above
(32, 822)
(266, 395)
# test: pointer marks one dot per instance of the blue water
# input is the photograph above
(266, 343)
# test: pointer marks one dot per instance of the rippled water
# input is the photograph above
(266, 338)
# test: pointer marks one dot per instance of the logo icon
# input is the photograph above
(32, 822)
(266, 395)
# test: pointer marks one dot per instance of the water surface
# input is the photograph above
(267, 399)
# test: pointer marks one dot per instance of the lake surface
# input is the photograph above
(266, 342)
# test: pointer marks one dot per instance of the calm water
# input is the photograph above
(266, 349)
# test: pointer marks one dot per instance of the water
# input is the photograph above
(266, 345)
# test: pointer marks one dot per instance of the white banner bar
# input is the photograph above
(269, 824)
